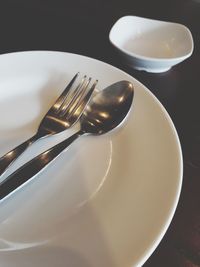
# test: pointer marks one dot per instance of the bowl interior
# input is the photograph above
(151, 38)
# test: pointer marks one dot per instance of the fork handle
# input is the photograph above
(12, 155)
(34, 166)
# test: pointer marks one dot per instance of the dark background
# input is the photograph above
(82, 27)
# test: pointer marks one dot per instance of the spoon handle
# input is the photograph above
(12, 155)
(29, 170)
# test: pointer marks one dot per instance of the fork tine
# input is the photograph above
(77, 100)
(70, 100)
(82, 102)
(65, 93)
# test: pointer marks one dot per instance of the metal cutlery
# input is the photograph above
(63, 114)
(106, 110)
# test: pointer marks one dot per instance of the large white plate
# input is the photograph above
(108, 200)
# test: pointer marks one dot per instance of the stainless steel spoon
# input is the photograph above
(106, 111)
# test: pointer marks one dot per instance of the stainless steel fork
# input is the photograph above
(63, 114)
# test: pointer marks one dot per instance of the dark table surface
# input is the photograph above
(82, 27)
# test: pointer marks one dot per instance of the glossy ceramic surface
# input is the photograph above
(151, 45)
(107, 201)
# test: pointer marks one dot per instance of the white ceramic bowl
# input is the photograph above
(151, 45)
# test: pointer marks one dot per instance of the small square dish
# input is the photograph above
(151, 45)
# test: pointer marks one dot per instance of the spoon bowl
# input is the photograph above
(108, 108)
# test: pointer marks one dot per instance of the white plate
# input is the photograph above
(108, 200)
